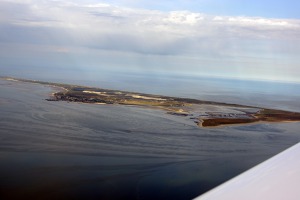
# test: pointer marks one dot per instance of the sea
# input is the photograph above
(61, 150)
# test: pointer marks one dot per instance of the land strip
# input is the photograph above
(203, 113)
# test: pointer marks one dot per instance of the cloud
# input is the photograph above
(100, 20)
(103, 21)
(66, 25)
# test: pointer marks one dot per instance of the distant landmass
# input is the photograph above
(203, 113)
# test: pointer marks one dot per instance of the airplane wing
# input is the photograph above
(277, 178)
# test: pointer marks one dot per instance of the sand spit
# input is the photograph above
(203, 113)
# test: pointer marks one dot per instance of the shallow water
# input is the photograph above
(81, 151)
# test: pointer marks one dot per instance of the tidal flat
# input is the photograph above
(53, 150)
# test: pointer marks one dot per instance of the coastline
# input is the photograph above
(203, 113)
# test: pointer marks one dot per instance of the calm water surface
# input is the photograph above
(60, 150)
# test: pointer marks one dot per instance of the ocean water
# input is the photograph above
(278, 95)
(60, 150)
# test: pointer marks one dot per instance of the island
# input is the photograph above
(203, 113)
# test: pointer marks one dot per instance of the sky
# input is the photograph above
(218, 38)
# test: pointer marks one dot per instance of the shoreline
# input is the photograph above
(204, 113)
